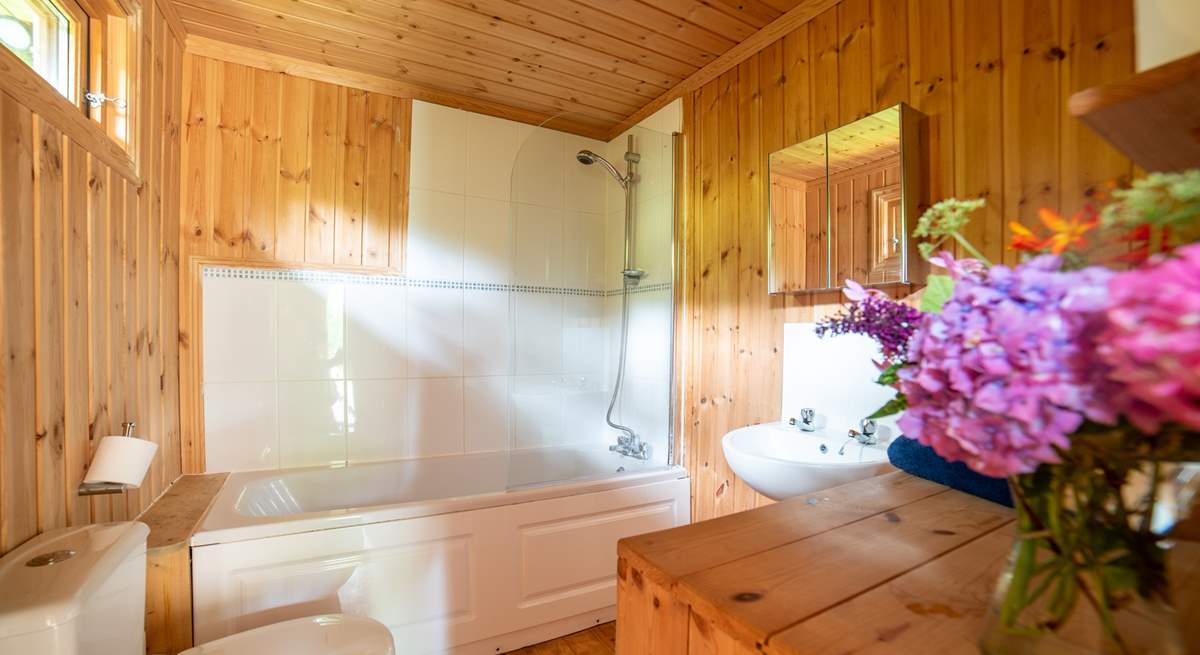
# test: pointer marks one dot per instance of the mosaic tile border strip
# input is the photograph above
(384, 279)
(645, 288)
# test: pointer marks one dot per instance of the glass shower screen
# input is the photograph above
(591, 246)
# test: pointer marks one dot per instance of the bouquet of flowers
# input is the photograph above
(1077, 381)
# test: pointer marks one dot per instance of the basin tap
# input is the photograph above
(867, 436)
(808, 420)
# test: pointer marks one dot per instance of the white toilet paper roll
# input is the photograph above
(123, 460)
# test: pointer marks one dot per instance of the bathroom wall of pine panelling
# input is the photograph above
(283, 170)
(992, 75)
(89, 257)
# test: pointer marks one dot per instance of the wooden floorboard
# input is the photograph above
(600, 640)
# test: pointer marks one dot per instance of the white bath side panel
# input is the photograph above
(567, 547)
(441, 581)
(426, 579)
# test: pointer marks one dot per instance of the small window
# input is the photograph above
(111, 69)
(86, 49)
(42, 35)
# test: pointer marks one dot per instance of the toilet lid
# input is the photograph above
(327, 634)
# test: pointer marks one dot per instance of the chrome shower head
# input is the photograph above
(587, 158)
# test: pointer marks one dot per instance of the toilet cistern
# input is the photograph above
(82, 590)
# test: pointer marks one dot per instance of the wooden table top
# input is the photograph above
(893, 564)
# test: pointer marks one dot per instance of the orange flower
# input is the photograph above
(1067, 232)
(1024, 239)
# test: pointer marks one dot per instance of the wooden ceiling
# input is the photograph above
(597, 61)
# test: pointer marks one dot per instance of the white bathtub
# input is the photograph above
(471, 554)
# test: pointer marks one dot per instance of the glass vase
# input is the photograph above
(1087, 572)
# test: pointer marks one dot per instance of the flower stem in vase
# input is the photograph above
(1077, 539)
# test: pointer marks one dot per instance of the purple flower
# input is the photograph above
(1152, 340)
(872, 313)
(1007, 371)
(957, 268)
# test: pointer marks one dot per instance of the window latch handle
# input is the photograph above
(95, 99)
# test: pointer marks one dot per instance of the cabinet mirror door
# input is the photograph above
(843, 205)
(799, 232)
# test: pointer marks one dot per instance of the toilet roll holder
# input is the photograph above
(98, 488)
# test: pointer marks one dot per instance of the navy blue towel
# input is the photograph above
(908, 455)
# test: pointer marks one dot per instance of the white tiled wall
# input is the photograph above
(307, 369)
(845, 391)
(310, 368)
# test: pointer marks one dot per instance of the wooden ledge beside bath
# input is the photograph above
(891, 564)
(173, 519)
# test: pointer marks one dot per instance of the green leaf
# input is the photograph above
(893, 406)
(1120, 578)
(888, 377)
(938, 290)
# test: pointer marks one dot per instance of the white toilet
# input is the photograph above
(82, 591)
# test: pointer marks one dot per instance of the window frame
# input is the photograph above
(113, 25)
(76, 26)
(95, 30)
(78, 36)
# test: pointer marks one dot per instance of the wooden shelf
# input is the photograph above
(1153, 117)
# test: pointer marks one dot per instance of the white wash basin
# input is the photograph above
(780, 461)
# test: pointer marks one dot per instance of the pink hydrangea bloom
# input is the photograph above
(1006, 372)
(1152, 340)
